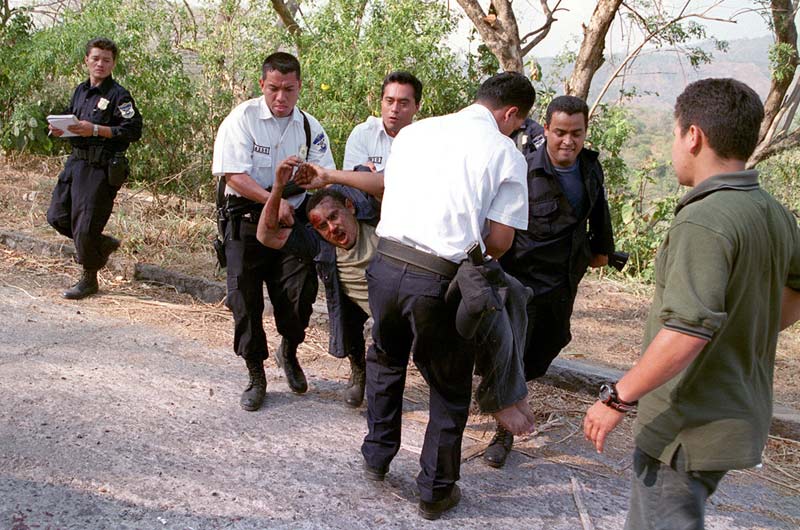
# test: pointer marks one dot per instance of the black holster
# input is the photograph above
(219, 241)
(117, 170)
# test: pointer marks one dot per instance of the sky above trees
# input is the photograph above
(568, 27)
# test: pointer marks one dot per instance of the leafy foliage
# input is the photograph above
(188, 67)
(779, 176)
(782, 60)
(347, 51)
(48, 63)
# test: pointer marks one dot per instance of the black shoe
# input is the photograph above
(433, 510)
(253, 395)
(354, 395)
(375, 474)
(108, 245)
(287, 359)
(86, 286)
(499, 448)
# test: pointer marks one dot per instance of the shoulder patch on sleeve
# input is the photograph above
(127, 110)
(320, 142)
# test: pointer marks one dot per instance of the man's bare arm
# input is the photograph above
(244, 185)
(312, 176)
(790, 307)
(665, 357)
(270, 233)
(499, 239)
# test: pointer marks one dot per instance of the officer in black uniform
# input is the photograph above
(84, 194)
(569, 230)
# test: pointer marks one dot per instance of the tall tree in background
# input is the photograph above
(500, 33)
(781, 104)
(590, 57)
(655, 25)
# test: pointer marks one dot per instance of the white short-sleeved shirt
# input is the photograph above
(368, 142)
(249, 140)
(448, 175)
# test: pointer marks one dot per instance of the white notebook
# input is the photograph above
(62, 121)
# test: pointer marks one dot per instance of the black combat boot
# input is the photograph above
(108, 245)
(253, 395)
(354, 395)
(86, 286)
(497, 452)
(287, 359)
(433, 510)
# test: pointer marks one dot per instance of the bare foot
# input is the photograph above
(513, 420)
(526, 411)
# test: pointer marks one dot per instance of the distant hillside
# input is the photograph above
(659, 76)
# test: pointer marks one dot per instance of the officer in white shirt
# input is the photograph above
(467, 183)
(370, 142)
(255, 137)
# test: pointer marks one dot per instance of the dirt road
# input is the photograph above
(108, 422)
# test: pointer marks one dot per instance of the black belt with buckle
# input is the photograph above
(412, 256)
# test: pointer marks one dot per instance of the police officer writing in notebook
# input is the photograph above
(255, 137)
(108, 121)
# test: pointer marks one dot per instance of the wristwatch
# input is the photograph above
(95, 129)
(610, 398)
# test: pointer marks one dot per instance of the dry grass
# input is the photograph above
(161, 230)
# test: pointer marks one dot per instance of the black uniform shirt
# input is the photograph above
(556, 247)
(108, 104)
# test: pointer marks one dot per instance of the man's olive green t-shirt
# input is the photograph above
(720, 274)
(352, 265)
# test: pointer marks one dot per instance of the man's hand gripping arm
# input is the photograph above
(311, 177)
(272, 230)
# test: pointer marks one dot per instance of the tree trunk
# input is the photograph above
(783, 12)
(498, 30)
(590, 57)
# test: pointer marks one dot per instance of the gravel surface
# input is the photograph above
(111, 422)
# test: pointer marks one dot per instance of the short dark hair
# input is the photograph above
(404, 78)
(102, 43)
(569, 105)
(507, 88)
(727, 111)
(326, 193)
(285, 63)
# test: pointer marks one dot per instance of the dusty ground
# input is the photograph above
(121, 411)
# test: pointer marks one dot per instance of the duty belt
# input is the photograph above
(95, 155)
(423, 260)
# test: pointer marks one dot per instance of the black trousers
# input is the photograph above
(80, 207)
(411, 316)
(291, 284)
(548, 329)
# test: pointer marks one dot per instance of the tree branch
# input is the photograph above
(540, 33)
(286, 16)
(785, 34)
(498, 31)
(780, 145)
(682, 15)
(590, 56)
(194, 20)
